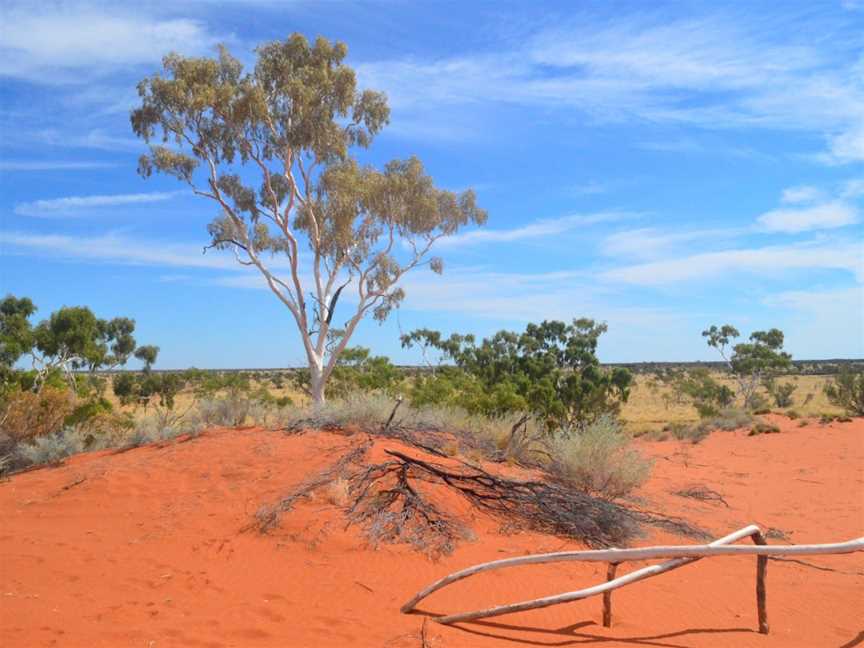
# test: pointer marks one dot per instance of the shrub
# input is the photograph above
(599, 461)
(49, 448)
(28, 414)
(846, 390)
(550, 370)
(687, 432)
(763, 428)
(781, 393)
(707, 395)
(793, 414)
(230, 410)
(730, 419)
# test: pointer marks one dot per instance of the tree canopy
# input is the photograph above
(550, 370)
(750, 362)
(272, 148)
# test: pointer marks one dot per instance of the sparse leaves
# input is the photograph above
(272, 148)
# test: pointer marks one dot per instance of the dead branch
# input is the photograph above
(702, 493)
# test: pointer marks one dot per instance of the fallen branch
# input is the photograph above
(701, 493)
(681, 555)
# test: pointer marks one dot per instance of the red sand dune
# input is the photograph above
(144, 549)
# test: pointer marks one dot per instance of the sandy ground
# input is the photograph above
(145, 549)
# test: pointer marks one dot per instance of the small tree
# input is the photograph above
(846, 390)
(147, 354)
(72, 338)
(750, 362)
(550, 371)
(292, 123)
(16, 332)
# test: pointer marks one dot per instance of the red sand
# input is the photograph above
(144, 549)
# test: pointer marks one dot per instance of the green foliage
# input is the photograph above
(16, 333)
(133, 388)
(708, 395)
(551, 370)
(291, 125)
(846, 390)
(147, 354)
(86, 412)
(750, 362)
(208, 384)
(357, 371)
(780, 392)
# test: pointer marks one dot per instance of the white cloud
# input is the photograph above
(93, 139)
(647, 242)
(828, 322)
(537, 229)
(119, 249)
(847, 146)
(69, 42)
(829, 215)
(853, 188)
(713, 73)
(802, 194)
(770, 261)
(52, 165)
(55, 207)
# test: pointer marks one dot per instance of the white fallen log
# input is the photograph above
(682, 554)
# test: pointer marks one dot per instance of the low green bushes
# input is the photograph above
(846, 390)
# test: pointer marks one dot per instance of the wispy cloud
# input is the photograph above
(51, 165)
(826, 321)
(121, 249)
(649, 242)
(70, 42)
(829, 215)
(801, 194)
(715, 73)
(537, 229)
(72, 205)
(768, 261)
(116, 249)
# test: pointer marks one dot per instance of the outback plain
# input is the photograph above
(395, 324)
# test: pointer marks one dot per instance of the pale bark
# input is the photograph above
(681, 555)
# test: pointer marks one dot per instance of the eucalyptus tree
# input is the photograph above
(550, 371)
(750, 363)
(275, 149)
(71, 338)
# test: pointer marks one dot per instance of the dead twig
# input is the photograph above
(702, 493)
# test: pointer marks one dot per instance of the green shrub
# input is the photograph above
(846, 390)
(781, 393)
(599, 460)
(550, 370)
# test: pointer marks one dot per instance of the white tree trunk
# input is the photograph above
(317, 381)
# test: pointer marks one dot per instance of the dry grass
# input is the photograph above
(652, 406)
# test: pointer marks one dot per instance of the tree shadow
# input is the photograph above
(571, 635)
(857, 640)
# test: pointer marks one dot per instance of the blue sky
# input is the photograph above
(660, 167)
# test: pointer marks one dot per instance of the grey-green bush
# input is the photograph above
(599, 461)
